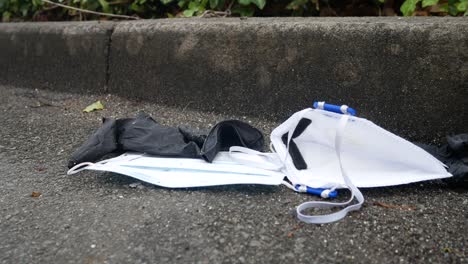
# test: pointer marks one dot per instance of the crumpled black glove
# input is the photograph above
(143, 134)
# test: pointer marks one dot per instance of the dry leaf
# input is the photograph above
(93, 107)
(36, 194)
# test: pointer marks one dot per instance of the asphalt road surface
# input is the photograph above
(97, 217)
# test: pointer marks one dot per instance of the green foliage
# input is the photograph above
(19, 8)
(259, 3)
(408, 7)
(452, 7)
(462, 7)
(36, 10)
(426, 3)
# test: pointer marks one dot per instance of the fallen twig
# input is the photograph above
(89, 11)
(212, 13)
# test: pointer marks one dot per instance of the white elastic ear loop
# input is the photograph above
(287, 184)
(323, 219)
(272, 148)
(79, 167)
(244, 156)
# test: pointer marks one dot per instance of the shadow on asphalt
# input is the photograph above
(117, 181)
(114, 180)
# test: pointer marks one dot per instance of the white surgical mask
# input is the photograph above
(186, 172)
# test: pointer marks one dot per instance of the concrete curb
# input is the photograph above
(63, 56)
(408, 75)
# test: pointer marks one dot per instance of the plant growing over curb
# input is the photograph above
(37, 10)
(452, 7)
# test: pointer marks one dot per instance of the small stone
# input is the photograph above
(255, 243)
(137, 185)
(93, 246)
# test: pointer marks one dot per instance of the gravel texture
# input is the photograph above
(96, 217)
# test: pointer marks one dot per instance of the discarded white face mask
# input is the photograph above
(186, 172)
(323, 149)
(318, 151)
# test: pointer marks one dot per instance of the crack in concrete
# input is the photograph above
(109, 34)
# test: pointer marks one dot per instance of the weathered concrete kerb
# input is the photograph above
(408, 75)
(64, 56)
